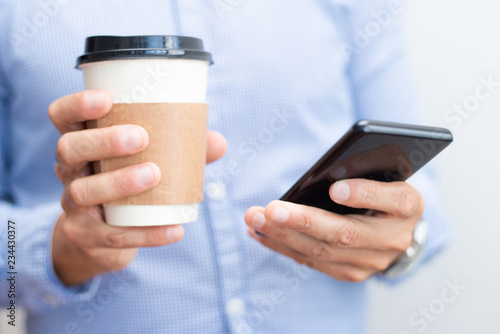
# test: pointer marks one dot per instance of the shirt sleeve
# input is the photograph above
(383, 89)
(35, 286)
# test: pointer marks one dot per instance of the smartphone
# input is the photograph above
(381, 151)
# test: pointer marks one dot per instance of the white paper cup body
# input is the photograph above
(150, 81)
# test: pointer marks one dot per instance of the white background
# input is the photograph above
(452, 43)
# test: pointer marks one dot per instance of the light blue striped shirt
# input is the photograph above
(289, 79)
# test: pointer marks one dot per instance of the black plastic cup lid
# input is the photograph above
(105, 48)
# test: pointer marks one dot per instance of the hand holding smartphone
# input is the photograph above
(381, 151)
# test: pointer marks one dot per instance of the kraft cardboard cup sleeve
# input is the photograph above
(159, 83)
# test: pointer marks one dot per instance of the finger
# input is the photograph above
(283, 249)
(398, 199)
(336, 230)
(68, 113)
(132, 237)
(94, 233)
(345, 272)
(341, 272)
(319, 249)
(216, 146)
(77, 148)
(112, 185)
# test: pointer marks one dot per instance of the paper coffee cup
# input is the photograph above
(160, 83)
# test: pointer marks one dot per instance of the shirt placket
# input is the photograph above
(192, 18)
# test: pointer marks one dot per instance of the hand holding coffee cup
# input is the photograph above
(83, 245)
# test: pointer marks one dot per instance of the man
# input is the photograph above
(288, 80)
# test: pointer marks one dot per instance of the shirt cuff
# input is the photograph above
(42, 288)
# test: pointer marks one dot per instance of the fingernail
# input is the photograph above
(133, 139)
(280, 215)
(96, 100)
(340, 191)
(258, 221)
(174, 233)
(144, 176)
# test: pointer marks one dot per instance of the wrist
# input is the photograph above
(409, 258)
(71, 263)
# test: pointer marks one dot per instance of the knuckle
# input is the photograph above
(75, 102)
(306, 224)
(320, 251)
(339, 277)
(103, 140)
(70, 230)
(59, 172)
(299, 259)
(119, 183)
(52, 111)
(98, 253)
(122, 260)
(309, 262)
(62, 150)
(379, 264)
(117, 239)
(369, 194)
(152, 238)
(77, 193)
(355, 276)
(406, 203)
(340, 273)
(83, 147)
(401, 244)
(281, 234)
(109, 259)
(347, 235)
(119, 262)
(66, 206)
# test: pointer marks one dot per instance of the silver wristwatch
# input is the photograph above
(410, 257)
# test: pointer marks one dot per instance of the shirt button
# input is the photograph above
(216, 190)
(235, 307)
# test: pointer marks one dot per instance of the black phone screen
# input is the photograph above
(375, 156)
